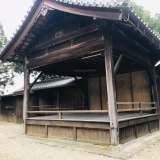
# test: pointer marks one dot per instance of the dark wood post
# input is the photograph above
(26, 94)
(155, 90)
(111, 92)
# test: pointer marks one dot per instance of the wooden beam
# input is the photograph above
(60, 23)
(36, 32)
(126, 45)
(26, 94)
(64, 38)
(114, 14)
(36, 80)
(66, 53)
(111, 91)
(116, 67)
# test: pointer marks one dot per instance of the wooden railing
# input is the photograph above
(57, 107)
(140, 106)
(60, 111)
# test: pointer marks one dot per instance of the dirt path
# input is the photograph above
(14, 146)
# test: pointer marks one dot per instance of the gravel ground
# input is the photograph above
(151, 152)
(14, 146)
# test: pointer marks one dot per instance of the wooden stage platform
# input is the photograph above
(91, 117)
(91, 127)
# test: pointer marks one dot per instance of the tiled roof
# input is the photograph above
(54, 83)
(88, 3)
(92, 3)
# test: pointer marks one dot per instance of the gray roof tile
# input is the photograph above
(92, 3)
(54, 83)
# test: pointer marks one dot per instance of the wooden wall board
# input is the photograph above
(137, 130)
(130, 87)
(19, 108)
(8, 110)
(97, 133)
(142, 129)
(94, 94)
(60, 132)
(141, 88)
(35, 130)
(124, 93)
(104, 93)
(153, 126)
(93, 136)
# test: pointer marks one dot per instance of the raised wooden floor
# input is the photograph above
(91, 127)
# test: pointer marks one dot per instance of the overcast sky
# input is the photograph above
(12, 12)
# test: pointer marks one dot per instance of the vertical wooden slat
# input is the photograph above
(124, 92)
(111, 91)
(131, 88)
(26, 94)
(74, 133)
(141, 88)
(46, 131)
(85, 92)
(58, 99)
(94, 94)
(135, 131)
(100, 93)
(104, 93)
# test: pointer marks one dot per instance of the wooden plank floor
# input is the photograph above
(98, 117)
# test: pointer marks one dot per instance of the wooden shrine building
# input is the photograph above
(62, 92)
(114, 53)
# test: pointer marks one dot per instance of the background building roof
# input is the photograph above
(47, 84)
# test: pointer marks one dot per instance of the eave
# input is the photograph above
(117, 14)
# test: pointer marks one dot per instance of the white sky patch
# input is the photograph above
(150, 5)
(12, 12)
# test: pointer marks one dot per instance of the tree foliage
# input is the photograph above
(17, 67)
(6, 70)
(152, 21)
(3, 39)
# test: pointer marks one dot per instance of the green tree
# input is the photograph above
(6, 70)
(153, 22)
(3, 39)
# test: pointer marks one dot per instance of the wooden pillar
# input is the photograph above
(155, 90)
(26, 94)
(111, 91)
